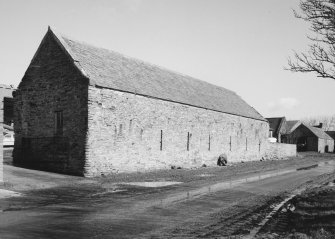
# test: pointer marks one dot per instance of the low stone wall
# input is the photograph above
(280, 151)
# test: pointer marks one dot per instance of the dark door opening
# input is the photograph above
(302, 144)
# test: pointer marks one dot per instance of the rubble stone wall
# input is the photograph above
(51, 84)
(280, 151)
(128, 132)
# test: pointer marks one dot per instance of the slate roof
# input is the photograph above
(112, 70)
(331, 134)
(276, 123)
(318, 132)
(290, 125)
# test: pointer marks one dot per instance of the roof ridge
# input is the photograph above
(319, 130)
(61, 35)
(110, 69)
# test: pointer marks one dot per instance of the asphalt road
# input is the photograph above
(207, 212)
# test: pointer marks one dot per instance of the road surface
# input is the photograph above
(174, 211)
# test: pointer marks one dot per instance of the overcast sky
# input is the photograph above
(241, 45)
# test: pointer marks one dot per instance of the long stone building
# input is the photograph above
(89, 111)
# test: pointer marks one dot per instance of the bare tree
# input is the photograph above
(328, 122)
(320, 57)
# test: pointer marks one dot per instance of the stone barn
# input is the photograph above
(310, 138)
(89, 111)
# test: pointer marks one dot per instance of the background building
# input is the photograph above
(277, 127)
(6, 116)
(290, 126)
(310, 138)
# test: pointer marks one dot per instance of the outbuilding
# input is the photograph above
(89, 111)
(310, 138)
(277, 127)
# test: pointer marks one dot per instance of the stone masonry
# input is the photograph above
(51, 84)
(280, 151)
(106, 128)
(128, 132)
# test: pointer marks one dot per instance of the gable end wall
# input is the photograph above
(323, 143)
(50, 84)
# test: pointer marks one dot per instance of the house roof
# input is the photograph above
(291, 125)
(318, 132)
(331, 134)
(276, 123)
(109, 69)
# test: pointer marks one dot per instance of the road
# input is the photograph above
(175, 211)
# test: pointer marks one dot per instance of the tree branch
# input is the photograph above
(320, 58)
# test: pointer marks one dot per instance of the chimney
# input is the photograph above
(319, 126)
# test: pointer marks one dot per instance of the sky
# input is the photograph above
(240, 45)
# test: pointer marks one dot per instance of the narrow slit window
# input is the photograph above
(59, 122)
(188, 141)
(230, 143)
(141, 134)
(130, 126)
(259, 146)
(246, 144)
(209, 142)
(161, 142)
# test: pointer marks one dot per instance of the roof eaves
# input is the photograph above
(153, 97)
(79, 61)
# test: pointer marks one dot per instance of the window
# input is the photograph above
(59, 122)
(188, 141)
(161, 142)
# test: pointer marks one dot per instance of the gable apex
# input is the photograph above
(66, 48)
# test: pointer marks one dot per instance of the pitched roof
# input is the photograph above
(276, 123)
(291, 125)
(109, 69)
(318, 132)
(331, 134)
